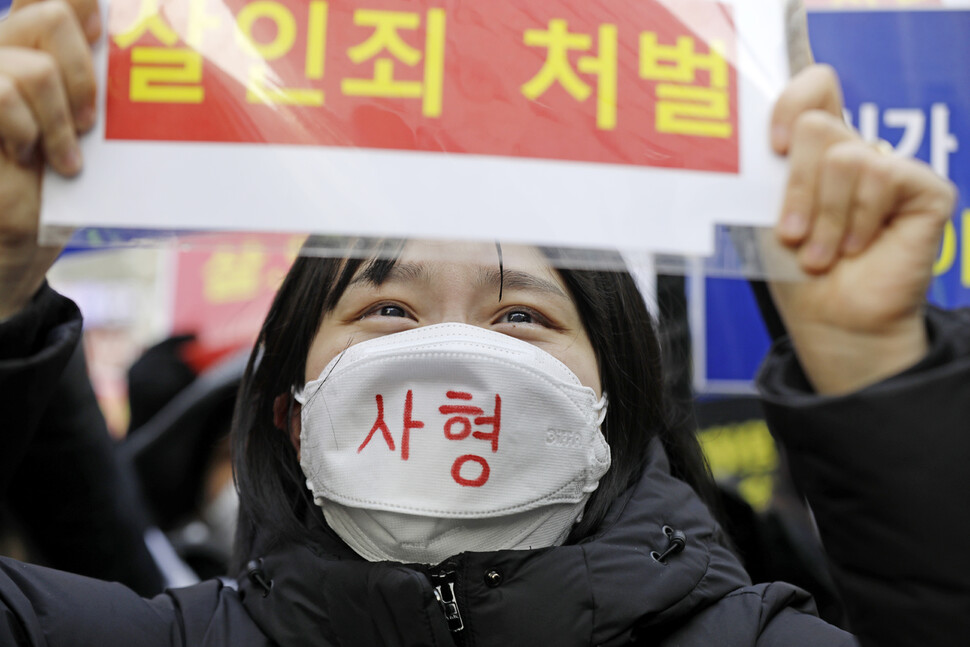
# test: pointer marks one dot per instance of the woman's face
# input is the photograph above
(435, 282)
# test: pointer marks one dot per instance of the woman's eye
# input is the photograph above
(386, 310)
(519, 317)
(391, 311)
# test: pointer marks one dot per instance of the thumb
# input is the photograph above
(814, 88)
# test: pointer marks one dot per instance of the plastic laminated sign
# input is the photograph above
(631, 125)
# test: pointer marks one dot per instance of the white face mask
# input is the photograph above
(422, 444)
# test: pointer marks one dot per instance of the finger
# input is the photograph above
(814, 132)
(18, 130)
(923, 191)
(814, 88)
(873, 203)
(87, 11)
(839, 173)
(920, 204)
(904, 195)
(51, 26)
(39, 83)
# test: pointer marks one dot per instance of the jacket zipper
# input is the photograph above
(443, 579)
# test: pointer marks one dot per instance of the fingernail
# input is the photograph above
(779, 138)
(71, 160)
(92, 28)
(794, 225)
(817, 254)
(85, 118)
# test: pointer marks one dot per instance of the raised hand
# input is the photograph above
(47, 97)
(865, 226)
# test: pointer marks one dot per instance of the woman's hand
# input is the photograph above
(866, 227)
(47, 97)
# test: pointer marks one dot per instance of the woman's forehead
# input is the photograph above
(461, 266)
(477, 255)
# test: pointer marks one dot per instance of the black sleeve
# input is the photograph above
(887, 473)
(35, 346)
(79, 504)
(75, 501)
(41, 607)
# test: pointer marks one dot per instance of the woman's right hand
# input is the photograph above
(865, 226)
(47, 97)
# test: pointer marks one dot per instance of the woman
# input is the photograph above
(386, 394)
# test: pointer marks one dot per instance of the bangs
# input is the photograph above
(369, 258)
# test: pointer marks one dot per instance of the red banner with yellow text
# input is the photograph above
(549, 79)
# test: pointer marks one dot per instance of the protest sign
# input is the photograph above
(627, 124)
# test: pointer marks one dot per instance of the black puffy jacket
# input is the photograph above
(613, 589)
(609, 590)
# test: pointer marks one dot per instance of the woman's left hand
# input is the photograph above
(866, 227)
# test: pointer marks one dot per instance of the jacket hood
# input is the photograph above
(603, 591)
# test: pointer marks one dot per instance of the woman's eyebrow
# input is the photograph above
(517, 280)
(378, 274)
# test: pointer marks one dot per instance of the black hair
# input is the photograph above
(275, 505)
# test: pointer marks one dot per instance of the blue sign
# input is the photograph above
(906, 80)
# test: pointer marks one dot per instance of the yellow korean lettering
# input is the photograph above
(948, 249)
(434, 63)
(685, 61)
(283, 20)
(690, 110)
(385, 45)
(386, 25)
(558, 41)
(685, 107)
(745, 454)
(263, 84)
(757, 490)
(604, 67)
(148, 21)
(385, 36)
(230, 276)
(316, 40)
(165, 75)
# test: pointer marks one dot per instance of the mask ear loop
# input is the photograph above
(300, 394)
(600, 409)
